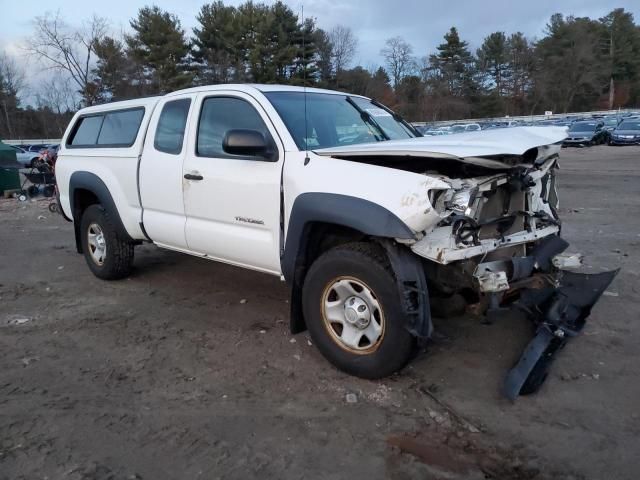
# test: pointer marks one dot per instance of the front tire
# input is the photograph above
(353, 311)
(108, 256)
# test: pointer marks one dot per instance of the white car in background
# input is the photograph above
(24, 157)
(465, 127)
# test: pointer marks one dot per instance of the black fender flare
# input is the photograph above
(91, 182)
(362, 215)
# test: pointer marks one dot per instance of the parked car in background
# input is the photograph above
(465, 127)
(36, 148)
(586, 133)
(433, 132)
(626, 133)
(611, 122)
(25, 157)
(436, 133)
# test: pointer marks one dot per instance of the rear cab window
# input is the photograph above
(109, 129)
(86, 133)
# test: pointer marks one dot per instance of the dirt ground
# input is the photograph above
(187, 370)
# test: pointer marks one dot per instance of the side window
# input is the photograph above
(171, 126)
(109, 129)
(86, 133)
(121, 128)
(218, 116)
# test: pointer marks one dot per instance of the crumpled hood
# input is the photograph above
(461, 146)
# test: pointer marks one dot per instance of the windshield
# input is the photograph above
(335, 120)
(583, 127)
(629, 125)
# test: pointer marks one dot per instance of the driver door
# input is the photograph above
(232, 202)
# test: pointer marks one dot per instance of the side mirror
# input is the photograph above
(249, 143)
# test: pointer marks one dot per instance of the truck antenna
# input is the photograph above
(304, 89)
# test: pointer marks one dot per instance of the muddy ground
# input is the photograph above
(187, 369)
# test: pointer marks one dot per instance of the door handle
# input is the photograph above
(192, 176)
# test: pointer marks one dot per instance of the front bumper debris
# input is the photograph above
(557, 301)
(560, 313)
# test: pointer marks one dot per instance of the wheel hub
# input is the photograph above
(97, 243)
(357, 312)
(352, 315)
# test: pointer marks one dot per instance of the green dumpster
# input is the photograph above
(9, 174)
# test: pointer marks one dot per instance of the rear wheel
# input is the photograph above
(353, 311)
(109, 256)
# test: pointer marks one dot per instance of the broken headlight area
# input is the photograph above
(557, 301)
(455, 201)
(484, 214)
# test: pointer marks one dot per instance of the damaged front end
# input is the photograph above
(487, 230)
(499, 238)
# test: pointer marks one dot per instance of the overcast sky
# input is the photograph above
(421, 22)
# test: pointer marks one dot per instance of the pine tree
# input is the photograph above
(455, 65)
(621, 40)
(112, 74)
(216, 44)
(570, 70)
(159, 46)
(493, 61)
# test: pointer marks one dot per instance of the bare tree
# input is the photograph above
(11, 86)
(344, 45)
(56, 94)
(398, 56)
(68, 50)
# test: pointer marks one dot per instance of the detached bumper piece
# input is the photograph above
(557, 301)
(560, 313)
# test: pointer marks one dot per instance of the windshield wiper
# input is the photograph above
(397, 118)
(368, 118)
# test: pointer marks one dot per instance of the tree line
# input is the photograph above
(579, 64)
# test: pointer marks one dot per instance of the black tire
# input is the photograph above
(118, 258)
(34, 162)
(33, 190)
(368, 264)
(48, 191)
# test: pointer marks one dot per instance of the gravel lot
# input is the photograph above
(187, 370)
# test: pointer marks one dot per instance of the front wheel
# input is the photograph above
(108, 256)
(353, 311)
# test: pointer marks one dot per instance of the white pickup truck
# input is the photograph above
(368, 222)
